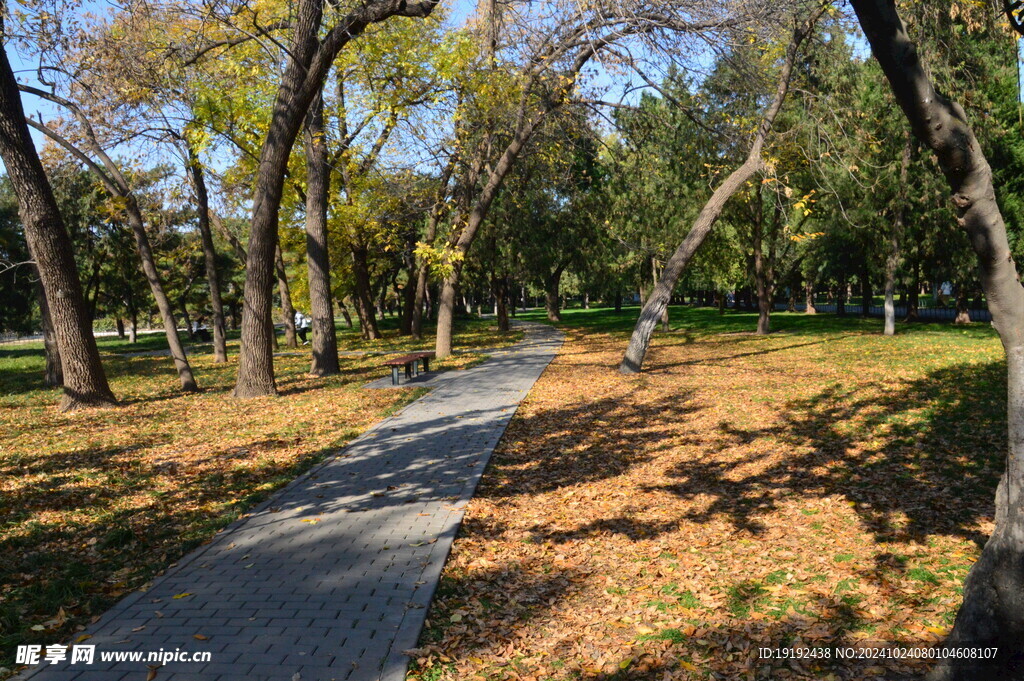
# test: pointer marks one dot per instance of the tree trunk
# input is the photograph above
(345, 314)
(809, 298)
(618, 301)
(914, 294)
(321, 300)
(163, 303)
(408, 303)
(308, 63)
(445, 317)
(963, 307)
(992, 614)
(53, 375)
(841, 298)
(287, 309)
(196, 173)
(119, 322)
(363, 294)
(501, 303)
(133, 317)
(641, 338)
(551, 297)
(187, 320)
(761, 279)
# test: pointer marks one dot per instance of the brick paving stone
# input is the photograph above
(342, 597)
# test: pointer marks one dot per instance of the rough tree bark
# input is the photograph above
(321, 301)
(658, 301)
(197, 175)
(308, 63)
(85, 383)
(992, 613)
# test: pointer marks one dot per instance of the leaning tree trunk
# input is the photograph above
(163, 303)
(345, 314)
(287, 309)
(85, 383)
(220, 348)
(321, 301)
(992, 614)
(53, 376)
(641, 338)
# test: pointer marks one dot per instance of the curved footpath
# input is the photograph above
(330, 579)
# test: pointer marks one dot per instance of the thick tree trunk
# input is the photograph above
(552, 301)
(163, 303)
(119, 323)
(308, 63)
(321, 300)
(53, 375)
(963, 308)
(445, 317)
(363, 295)
(641, 338)
(196, 173)
(992, 614)
(408, 303)
(284, 291)
(618, 301)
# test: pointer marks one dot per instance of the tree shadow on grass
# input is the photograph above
(919, 461)
(549, 458)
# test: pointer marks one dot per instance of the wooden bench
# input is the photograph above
(411, 362)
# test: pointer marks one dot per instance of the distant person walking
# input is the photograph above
(302, 326)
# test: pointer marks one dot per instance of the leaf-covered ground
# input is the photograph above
(824, 485)
(95, 503)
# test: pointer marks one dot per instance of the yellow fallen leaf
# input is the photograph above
(83, 637)
(183, 595)
(687, 666)
(476, 660)
(200, 637)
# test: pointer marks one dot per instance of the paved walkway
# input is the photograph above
(331, 578)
